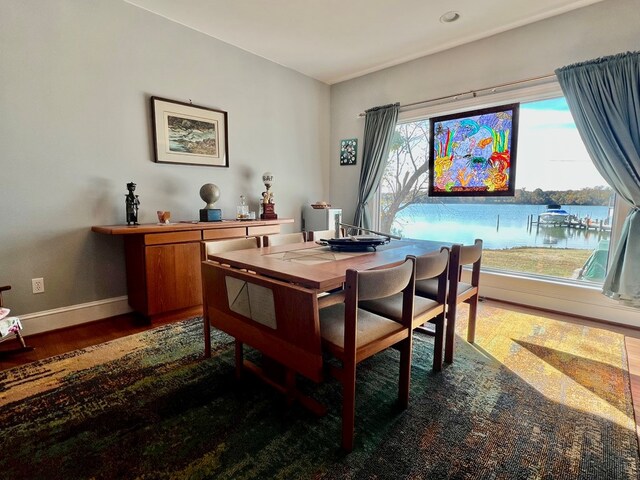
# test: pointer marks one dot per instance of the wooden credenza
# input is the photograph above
(163, 261)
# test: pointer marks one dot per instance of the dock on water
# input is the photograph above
(571, 222)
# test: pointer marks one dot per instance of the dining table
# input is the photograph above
(318, 266)
(308, 276)
(321, 267)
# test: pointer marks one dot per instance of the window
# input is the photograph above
(558, 224)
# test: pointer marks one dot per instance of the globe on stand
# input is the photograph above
(210, 193)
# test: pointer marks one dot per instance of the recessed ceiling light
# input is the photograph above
(449, 17)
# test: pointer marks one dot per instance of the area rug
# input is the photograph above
(533, 398)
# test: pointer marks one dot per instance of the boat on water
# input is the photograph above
(554, 215)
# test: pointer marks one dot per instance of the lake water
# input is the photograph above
(462, 223)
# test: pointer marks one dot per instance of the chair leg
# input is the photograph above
(405, 372)
(22, 348)
(290, 386)
(207, 337)
(239, 359)
(348, 405)
(21, 340)
(450, 333)
(473, 309)
(438, 343)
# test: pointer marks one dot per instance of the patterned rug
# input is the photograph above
(534, 398)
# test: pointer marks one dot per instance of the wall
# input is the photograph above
(534, 50)
(76, 77)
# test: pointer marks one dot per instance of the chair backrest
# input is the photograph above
(283, 239)
(219, 246)
(462, 255)
(433, 267)
(383, 282)
(374, 284)
(324, 234)
(277, 318)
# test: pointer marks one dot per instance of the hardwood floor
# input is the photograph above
(66, 340)
(73, 338)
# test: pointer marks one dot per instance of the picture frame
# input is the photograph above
(474, 153)
(348, 151)
(189, 134)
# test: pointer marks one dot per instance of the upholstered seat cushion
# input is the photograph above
(429, 288)
(391, 307)
(370, 326)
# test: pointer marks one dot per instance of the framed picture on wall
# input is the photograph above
(189, 134)
(474, 153)
(348, 151)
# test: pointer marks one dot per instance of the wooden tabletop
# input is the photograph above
(318, 267)
(182, 226)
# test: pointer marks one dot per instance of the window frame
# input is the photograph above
(583, 299)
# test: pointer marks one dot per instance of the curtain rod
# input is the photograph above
(473, 93)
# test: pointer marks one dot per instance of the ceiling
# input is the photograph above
(335, 40)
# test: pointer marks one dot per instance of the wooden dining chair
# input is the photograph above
(279, 319)
(429, 267)
(283, 239)
(352, 334)
(211, 247)
(459, 291)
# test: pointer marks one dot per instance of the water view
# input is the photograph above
(499, 225)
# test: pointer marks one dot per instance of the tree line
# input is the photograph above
(585, 196)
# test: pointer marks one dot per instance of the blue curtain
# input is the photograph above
(379, 125)
(604, 98)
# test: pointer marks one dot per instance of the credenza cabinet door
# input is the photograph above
(173, 277)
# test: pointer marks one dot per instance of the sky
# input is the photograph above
(550, 153)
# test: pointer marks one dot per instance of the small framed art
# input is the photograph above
(189, 134)
(348, 151)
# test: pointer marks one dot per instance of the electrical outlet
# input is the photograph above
(37, 284)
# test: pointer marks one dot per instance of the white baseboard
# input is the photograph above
(55, 319)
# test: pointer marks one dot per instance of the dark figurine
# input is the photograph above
(133, 204)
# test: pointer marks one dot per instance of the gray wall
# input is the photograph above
(609, 27)
(75, 82)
